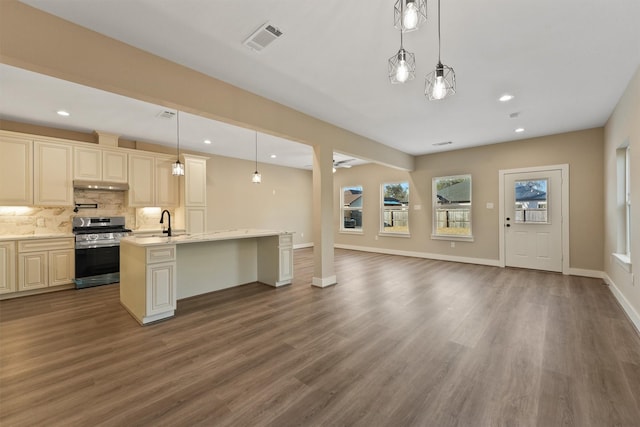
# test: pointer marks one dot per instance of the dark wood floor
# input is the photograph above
(398, 342)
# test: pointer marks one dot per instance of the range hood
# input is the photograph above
(100, 185)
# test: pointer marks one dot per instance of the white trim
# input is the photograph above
(622, 300)
(623, 260)
(303, 245)
(452, 238)
(323, 282)
(356, 231)
(391, 234)
(426, 255)
(564, 172)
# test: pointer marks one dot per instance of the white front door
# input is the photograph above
(533, 219)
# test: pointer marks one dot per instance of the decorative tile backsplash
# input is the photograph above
(50, 220)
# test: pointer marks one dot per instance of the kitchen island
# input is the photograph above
(155, 272)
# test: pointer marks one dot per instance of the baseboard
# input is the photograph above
(624, 303)
(323, 282)
(426, 255)
(586, 273)
(303, 245)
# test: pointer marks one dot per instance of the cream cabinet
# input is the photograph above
(7, 267)
(195, 220)
(17, 169)
(285, 249)
(155, 267)
(151, 182)
(194, 194)
(52, 173)
(99, 164)
(45, 262)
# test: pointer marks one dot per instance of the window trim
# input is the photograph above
(434, 207)
(382, 231)
(623, 161)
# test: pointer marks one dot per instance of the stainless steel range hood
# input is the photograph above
(100, 185)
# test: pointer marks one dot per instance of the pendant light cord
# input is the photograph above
(401, 23)
(178, 132)
(439, 32)
(256, 151)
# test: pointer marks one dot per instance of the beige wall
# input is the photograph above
(582, 150)
(623, 126)
(281, 202)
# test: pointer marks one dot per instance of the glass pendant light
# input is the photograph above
(442, 81)
(177, 169)
(256, 178)
(402, 65)
(408, 15)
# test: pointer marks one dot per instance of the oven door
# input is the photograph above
(97, 265)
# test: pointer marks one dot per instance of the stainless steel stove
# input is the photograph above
(98, 249)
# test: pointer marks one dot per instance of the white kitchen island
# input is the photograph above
(155, 272)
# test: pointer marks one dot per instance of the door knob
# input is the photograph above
(508, 225)
(508, 219)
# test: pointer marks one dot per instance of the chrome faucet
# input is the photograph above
(168, 230)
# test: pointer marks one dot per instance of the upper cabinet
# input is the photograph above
(195, 180)
(98, 164)
(52, 174)
(151, 182)
(17, 169)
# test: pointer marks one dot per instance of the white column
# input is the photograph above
(323, 268)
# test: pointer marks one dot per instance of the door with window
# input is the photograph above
(533, 219)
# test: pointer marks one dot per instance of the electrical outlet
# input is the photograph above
(453, 244)
(40, 222)
(301, 235)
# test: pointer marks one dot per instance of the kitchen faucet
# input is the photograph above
(168, 230)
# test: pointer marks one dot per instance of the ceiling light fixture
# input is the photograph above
(442, 81)
(506, 97)
(207, 141)
(402, 65)
(519, 130)
(63, 113)
(273, 156)
(256, 178)
(408, 15)
(177, 169)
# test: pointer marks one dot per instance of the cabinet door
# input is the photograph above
(61, 267)
(87, 163)
(195, 178)
(7, 267)
(166, 184)
(141, 181)
(161, 287)
(196, 220)
(53, 177)
(285, 248)
(32, 271)
(114, 166)
(17, 161)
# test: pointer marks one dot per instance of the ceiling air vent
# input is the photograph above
(437, 144)
(262, 37)
(166, 114)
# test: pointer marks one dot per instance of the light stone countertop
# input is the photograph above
(8, 237)
(202, 237)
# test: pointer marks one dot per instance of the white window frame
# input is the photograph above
(623, 169)
(435, 206)
(344, 209)
(384, 208)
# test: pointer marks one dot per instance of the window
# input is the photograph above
(452, 208)
(395, 208)
(351, 208)
(623, 247)
(531, 201)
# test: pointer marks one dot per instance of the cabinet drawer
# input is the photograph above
(161, 254)
(45, 244)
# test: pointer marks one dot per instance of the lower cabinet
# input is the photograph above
(148, 281)
(8, 267)
(285, 248)
(44, 263)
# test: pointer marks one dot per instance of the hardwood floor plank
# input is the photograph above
(397, 342)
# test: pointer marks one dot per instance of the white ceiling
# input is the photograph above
(566, 62)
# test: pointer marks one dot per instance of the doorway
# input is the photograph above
(534, 206)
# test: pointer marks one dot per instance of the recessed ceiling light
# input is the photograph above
(63, 113)
(519, 130)
(506, 97)
(207, 141)
(273, 156)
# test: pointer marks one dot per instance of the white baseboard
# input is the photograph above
(303, 245)
(426, 255)
(586, 273)
(323, 282)
(624, 302)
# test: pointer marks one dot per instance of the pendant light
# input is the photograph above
(408, 15)
(442, 81)
(177, 169)
(256, 178)
(402, 65)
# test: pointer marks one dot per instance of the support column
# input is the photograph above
(323, 267)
